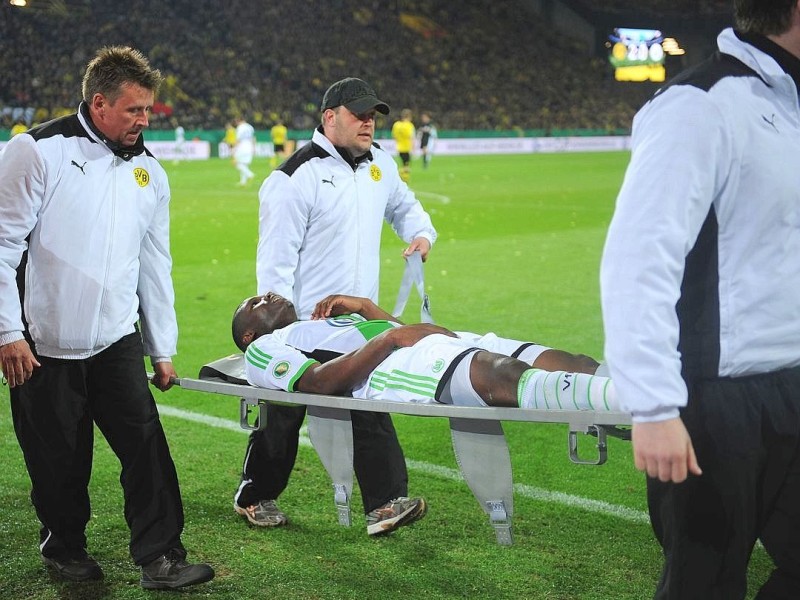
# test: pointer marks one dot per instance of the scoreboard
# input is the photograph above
(637, 54)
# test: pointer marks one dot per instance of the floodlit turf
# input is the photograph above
(518, 252)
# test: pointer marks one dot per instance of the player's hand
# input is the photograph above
(663, 449)
(17, 361)
(422, 244)
(337, 304)
(164, 372)
(408, 335)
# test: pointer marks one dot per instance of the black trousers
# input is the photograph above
(53, 417)
(378, 460)
(746, 433)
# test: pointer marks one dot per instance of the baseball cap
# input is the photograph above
(354, 94)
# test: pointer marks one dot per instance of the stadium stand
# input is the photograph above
(477, 64)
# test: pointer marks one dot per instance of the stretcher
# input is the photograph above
(477, 435)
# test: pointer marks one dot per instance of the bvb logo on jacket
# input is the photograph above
(375, 172)
(142, 176)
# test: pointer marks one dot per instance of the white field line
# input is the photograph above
(528, 491)
(432, 196)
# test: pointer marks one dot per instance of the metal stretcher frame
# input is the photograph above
(479, 443)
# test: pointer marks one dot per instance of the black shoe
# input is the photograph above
(76, 567)
(171, 571)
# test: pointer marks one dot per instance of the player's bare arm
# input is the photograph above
(340, 375)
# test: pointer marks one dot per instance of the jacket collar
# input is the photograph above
(785, 59)
(346, 155)
(124, 152)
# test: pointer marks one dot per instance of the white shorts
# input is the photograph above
(414, 374)
(524, 351)
(244, 157)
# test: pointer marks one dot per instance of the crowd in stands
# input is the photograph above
(475, 64)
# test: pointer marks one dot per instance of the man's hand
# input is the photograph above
(422, 244)
(664, 450)
(17, 362)
(339, 304)
(164, 372)
(408, 335)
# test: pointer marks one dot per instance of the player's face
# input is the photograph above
(269, 312)
(351, 131)
(123, 120)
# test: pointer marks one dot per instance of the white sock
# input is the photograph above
(565, 391)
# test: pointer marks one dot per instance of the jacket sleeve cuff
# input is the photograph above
(661, 414)
(9, 337)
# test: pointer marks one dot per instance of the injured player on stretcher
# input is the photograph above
(352, 347)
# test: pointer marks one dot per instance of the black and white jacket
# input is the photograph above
(701, 268)
(94, 220)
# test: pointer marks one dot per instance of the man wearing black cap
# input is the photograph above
(320, 223)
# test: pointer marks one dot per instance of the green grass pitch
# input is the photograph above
(519, 246)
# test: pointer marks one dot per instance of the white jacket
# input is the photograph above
(708, 221)
(97, 225)
(320, 223)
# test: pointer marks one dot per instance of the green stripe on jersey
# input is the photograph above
(371, 329)
(299, 374)
(256, 357)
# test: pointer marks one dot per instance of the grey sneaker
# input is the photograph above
(264, 514)
(396, 513)
(171, 571)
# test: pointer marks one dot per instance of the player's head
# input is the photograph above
(425, 117)
(767, 17)
(260, 315)
(405, 114)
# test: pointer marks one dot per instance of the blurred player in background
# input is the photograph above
(427, 138)
(19, 127)
(244, 150)
(279, 134)
(229, 138)
(180, 140)
(403, 134)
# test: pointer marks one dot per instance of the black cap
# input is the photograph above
(354, 94)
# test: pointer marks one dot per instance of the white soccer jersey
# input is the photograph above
(277, 360)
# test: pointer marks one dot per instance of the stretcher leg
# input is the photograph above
(331, 434)
(482, 454)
